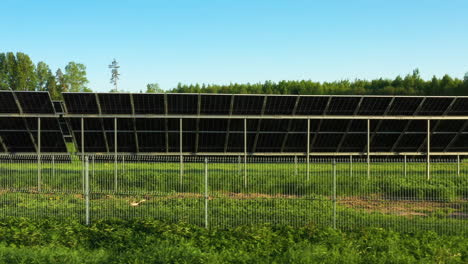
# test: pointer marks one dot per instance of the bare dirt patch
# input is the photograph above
(404, 207)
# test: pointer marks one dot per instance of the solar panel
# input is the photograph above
(405, 105)
(115, 103)
(215, 104)
(266, 135)
(343, 105)
(8, 103)
(435, 105)
(81, 103)
(248, 104)
(312, 105)
(280, 105)
(35, 102)
(182, 104)
(58, 106)
(460, 107)
(148, 103)
(374, 105)
(17, 141)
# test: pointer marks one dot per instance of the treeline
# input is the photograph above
(19, 73)
(411, 84)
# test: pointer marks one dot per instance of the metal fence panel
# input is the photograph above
(225, 191)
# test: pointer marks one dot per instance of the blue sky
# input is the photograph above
(240, 41)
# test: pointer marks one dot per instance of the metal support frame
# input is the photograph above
(197, 124)
(434, 128)
(166, 123)
(428, 157)
(259, 125)
(351, 165)
(104, 134)
(2, 143)
(39, 169)
(115, 155)
(308, 150)
(228, 130)
(288, 129)
(25, 122)
(320, 121)
(368, 149)
(245, 153)
(348, 126)
(137, 146)
(379, 123)
(458, 165)
(181, 157)
(405, 129)
(82, 153)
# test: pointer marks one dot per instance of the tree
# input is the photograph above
(114, 66)
(43, 74)
(25, 75)
(75, 77)
(3, 72)
(60, 81)
(52, 88)
(153, 88)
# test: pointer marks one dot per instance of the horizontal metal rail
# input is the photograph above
(287, 117)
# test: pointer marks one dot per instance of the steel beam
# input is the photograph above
(285, 139)
(228, 130)
(348, 127)
(137, 146)
(259, 125)
(102, 124)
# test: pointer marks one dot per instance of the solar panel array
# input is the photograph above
(267, 135)
(19, 134)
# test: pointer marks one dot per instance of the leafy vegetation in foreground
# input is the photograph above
(138, 241)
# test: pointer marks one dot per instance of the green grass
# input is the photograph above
(145, 241)
(275, 193)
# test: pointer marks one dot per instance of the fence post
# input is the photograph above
(39, 176)
(53, 167)
(239, 166)
(115, 154)
(351, 165)
(458, 165)
(334, 193)
(86, 194)
(368, 149)
(181, 157)
(405, 166)
(295, 165)
(206, 193)
(308, 149)
(245, 153)
(428, 154)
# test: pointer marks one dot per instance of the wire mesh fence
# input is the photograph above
(226, 191)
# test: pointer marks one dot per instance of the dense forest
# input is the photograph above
(18, 72)
(411, 84)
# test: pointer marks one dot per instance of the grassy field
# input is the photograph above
(145, 241)
(276, 192)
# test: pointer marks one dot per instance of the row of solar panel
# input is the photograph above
(116, 103)
(20, 134)
(216, 104)
(268, 142)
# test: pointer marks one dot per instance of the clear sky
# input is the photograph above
(240, 41)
